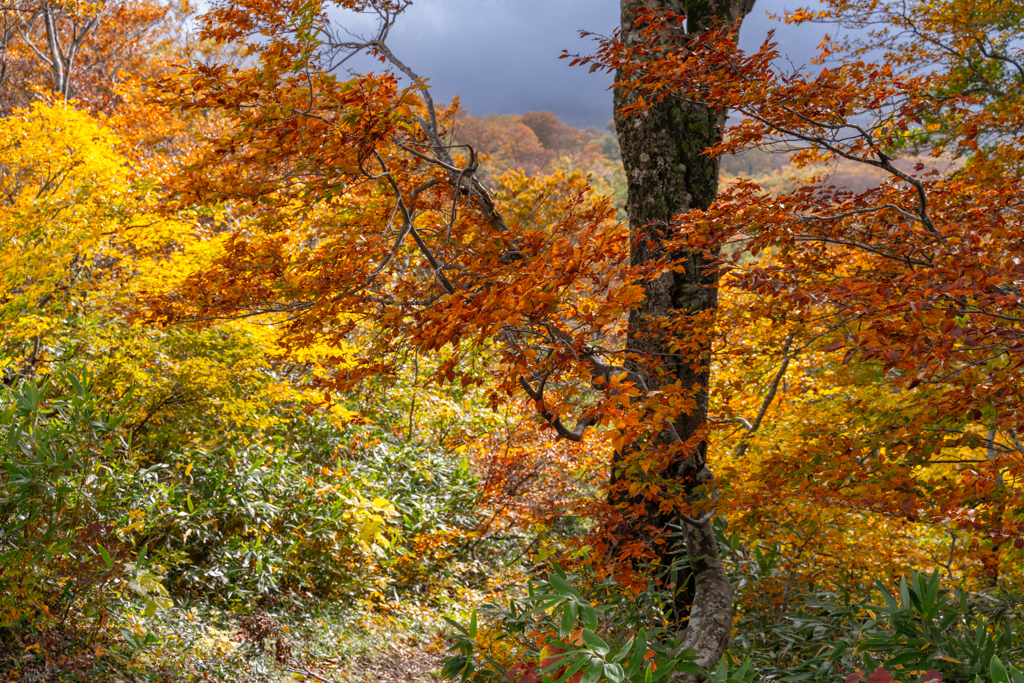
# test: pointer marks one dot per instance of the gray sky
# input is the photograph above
(501, 56)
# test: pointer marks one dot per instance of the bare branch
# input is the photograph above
(537, 395)
(773, 388)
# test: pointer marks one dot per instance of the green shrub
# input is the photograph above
(954, 633)
(554, 631)
(922, 633)
(62, 559)
(319, 513)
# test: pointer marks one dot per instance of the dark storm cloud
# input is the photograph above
(501, 56)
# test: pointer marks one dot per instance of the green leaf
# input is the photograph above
(1006, 640)
(150, 608)
(904, 592)
(997, 671)
(744, 672)
(721, 672)
(593, 671)
(568, 619)
(129, 637)
(453, 666)
(576, 666)
(637, 658)
(564, 587)
(623, 651)
(589, 615)
(979, 639)
(456, 625)
(472, 625)
(614, 673)
(933, 590)
(106, 557)
(594, 642)
(906, 658)
(688, 668)
(887, 596)
(989, 656)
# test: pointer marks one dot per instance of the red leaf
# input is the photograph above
(879, 676)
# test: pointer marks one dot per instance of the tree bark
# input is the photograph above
(667, 174)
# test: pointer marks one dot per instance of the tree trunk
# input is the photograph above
(668, 175)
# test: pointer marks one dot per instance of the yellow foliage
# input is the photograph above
(71, 218)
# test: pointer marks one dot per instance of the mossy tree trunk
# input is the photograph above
(667, 174)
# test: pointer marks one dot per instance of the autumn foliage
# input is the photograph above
(907, 289)
(280, 335)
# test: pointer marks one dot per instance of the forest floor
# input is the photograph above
(411, 662)
(210, 645)
(369, 650)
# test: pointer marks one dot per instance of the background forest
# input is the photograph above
(275, 343)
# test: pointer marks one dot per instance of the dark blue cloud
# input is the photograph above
(501, 56)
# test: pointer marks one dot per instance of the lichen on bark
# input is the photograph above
(668, 174)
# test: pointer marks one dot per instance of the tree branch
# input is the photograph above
(744, 444)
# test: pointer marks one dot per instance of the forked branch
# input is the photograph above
(575, 434)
